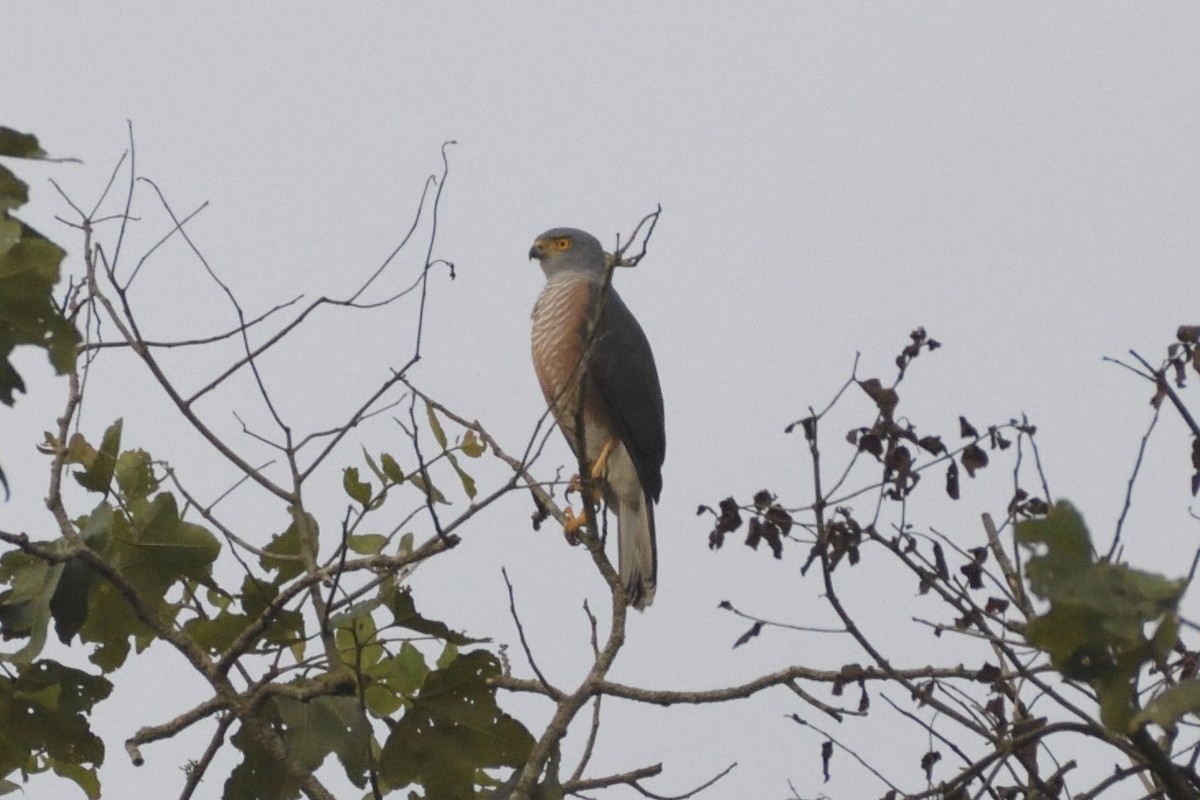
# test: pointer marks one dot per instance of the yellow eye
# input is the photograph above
(562, 243)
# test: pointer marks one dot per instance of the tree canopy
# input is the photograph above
(320, 666)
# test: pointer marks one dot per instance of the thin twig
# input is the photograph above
(512, 608)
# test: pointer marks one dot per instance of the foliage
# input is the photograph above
(319, 662)
(29, 271)
(1107, 628)
(1096, 628)
(316, 652)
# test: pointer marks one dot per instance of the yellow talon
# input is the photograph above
(574, 523)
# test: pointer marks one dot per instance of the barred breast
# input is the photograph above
(559, 317)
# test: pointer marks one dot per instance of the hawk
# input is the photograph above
(604, 393)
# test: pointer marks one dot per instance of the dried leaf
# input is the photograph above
(966, 429)
(770, 533)
(988, 673)
(1160, 393)
(872, 444)
(777, 515)
(755, 630)
(729, 520)
(952, 481)
(974, 574)
(928, 761)
(754, 533)
(885, 399)
(932, 445)
(939, 560)
(973, 458)
(996, 605)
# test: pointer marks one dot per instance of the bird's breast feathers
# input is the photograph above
(559, 321)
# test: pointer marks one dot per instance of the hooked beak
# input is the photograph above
(538, 250)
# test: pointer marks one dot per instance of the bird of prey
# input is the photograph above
(598, 375)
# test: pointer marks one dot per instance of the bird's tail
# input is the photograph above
(637, 551)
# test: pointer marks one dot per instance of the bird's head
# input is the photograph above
(568, 250)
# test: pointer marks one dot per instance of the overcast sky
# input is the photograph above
(1019, 178)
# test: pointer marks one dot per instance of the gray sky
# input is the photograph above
(1020, 179)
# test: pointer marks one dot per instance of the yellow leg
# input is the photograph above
(575, 484)
(602, 459)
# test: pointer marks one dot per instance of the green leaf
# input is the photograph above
(135, 474)
(404, 614)
(391, 681)
(1169, 706)
(259, 774)
(471, 445)
(356, 641)
(1096, 627)
(29, 270)
(1068, 548)
(83, 777)
(154, 549)
(14, 193)
(358, 490)
(374, 467)
(324, 725)
(216, 634)
(453, 729)
(449, 653)
(25, 606)
(435, 426)
(167, 548)
(19, 145)
(286, 626)
(286, 545)
(44, 711)
(98, 472)
(310, 731)
(391, 469)
(468, 483)
(69, 605)
(367, 544)
(430, 491)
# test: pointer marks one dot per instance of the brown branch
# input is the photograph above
(851, 673)
(594, 730)
(569, 706)
(1164, 385)
(691, 793)
(1012, 578)
(198, 341)
(154, 733)
(849, 751)
(628, 778)
(195, 772)
(512, 608)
